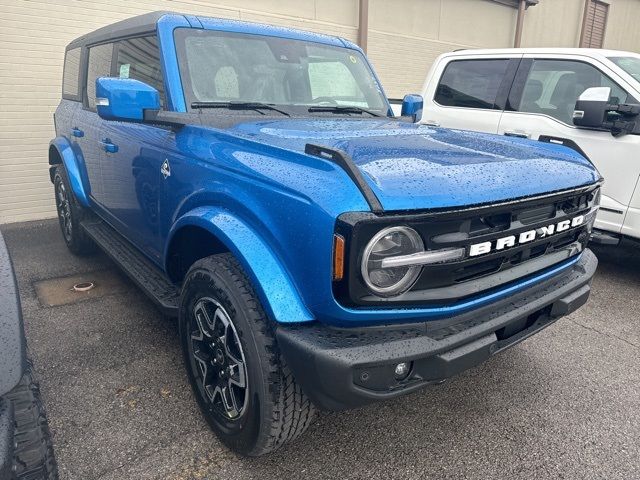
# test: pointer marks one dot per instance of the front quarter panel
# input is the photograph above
(286, 202)
(273, 284)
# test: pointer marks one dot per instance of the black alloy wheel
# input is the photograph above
(216, 353)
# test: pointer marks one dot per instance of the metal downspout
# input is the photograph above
(519, 22)
(363, 25)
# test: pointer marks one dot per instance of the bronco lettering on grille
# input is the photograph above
(525, 237)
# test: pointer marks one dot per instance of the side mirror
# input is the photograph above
(125, 98)
(593, 110)
(591, 107)
(412, 106)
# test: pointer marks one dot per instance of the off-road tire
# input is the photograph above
(277, 410)
(77, 240)
(33, 455)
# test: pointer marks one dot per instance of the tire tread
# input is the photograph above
(33, 456)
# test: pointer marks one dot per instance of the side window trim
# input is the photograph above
(502, 99)
(517, 89)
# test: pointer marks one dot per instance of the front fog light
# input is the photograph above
(391, 242)
(402, 370)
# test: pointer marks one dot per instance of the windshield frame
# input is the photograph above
(616, 61)
(180, 34)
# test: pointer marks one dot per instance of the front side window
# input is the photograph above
(71, 74)
(471, 83)
(233, 67)
(631, 65)
(99, 66)
(139, 58)
(553, 87)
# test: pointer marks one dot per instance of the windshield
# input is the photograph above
(631, 65)
(231, 67)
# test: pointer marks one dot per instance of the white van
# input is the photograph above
(532, 93)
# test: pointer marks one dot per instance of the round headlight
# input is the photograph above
(391, 242)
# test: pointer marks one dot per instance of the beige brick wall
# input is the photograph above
(622, 28)
(33, 35)
(405, 36)
(554, 23)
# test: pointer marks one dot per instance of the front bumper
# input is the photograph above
(348, 367)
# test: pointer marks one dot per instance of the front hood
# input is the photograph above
(412, 166)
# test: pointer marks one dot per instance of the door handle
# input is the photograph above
(108, 146)
(432, 123)
(76, 132)
(517, 133)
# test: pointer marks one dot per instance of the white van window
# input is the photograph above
(553, 86)
(631, 65)
(471, 83)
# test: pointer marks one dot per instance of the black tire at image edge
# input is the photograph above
(33, 454)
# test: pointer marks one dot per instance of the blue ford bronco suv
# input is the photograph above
(316, 251)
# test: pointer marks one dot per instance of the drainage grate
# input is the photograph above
(78, 288)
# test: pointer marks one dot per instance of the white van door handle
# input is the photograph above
(517, 133)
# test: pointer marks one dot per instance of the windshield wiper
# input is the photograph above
(342, 109)
(240, 106)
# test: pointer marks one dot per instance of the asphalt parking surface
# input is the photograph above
(563, 404)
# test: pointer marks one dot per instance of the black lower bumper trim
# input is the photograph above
(349, 367)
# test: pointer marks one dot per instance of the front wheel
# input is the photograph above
(242, 384)
(70, 214)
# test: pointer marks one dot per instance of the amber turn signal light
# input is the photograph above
(338, 257)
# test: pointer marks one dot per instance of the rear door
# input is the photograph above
(540, 107)
(88, 121)
(469, 93)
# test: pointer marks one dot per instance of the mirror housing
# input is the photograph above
(125, 99)
(412, 106)
(591, 107)
(593, 110)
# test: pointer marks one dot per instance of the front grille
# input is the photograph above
(448, 283)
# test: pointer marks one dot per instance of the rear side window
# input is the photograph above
(99, 66)
(553, 86)
(71, 74)
(471, 83)
(139, 58)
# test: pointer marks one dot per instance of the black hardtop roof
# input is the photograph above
(145, 23)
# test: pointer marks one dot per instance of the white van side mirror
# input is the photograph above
(591, 107)
(593, 110)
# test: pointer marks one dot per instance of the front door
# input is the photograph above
(133, 156)
(544, 97)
